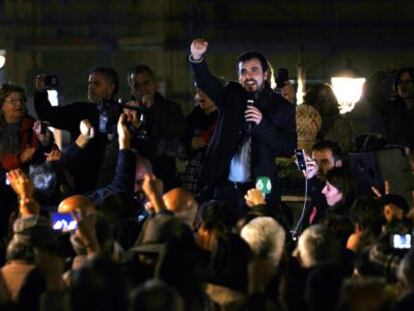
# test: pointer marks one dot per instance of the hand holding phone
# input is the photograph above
(300, 159)
(401, 241)
(63, 222)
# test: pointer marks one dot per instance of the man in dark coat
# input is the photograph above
(255, 125)
(164, 122)
(102, 87)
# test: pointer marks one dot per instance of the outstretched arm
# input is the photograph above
(124, 176)
(153, 189)
(202, 76)
(65, 117)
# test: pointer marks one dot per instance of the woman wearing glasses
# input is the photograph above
(23, 140)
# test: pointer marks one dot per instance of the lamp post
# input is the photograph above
(2, 58)
(347, 86)
(2, 68)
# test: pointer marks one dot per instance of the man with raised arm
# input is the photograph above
(255, 125)
(99, 158)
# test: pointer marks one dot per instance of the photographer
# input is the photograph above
(102, 86)
(164, 124)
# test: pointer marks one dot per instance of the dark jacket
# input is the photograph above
(166, 122)
(399, 123)
(274, 136)
(27, 139)
(198, 124)
(68, 117)
(65, 117)
(123, 180)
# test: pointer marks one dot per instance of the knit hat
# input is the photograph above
(308, 124)
(157, 231)
(34, 231)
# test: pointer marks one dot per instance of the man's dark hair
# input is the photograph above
(397, 200)
(328, 144)
(137, 69)
(250, 55)
(366, 211)
(409, 70)
(322, 98)
(110, 74)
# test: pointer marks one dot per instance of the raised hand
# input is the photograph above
(152, 186)
(153, 189)
(198, 48)
(387, 189)
(124, 136)
(20, 183)
(27, 154)
(132, 116)
(288, 92)
(54, 155)
(86, 233)
(311, 167)
(87, 132)
(87, 129)
(254, 197)
(24, 188)
(42, 132)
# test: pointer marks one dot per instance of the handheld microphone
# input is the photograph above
(249, 102)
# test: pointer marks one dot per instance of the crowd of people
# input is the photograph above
(108, 223)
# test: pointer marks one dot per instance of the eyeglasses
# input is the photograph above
(14, 101)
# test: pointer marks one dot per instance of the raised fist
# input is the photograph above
(86, 129)
(198, 48)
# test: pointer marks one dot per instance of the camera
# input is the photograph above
(300, 156)
(143, 132)
(401, 241)
(108, 116)
(63, 222)
(51, 82)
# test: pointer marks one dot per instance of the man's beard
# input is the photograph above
(253, 87)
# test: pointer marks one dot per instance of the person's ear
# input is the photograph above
(338, 163)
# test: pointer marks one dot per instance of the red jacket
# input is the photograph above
(27, 139)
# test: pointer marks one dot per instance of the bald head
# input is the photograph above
(76, 202)
(182, 203)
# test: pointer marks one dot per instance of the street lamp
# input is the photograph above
(347, 86)
(2, 58)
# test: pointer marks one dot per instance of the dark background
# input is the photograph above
(68, 38)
